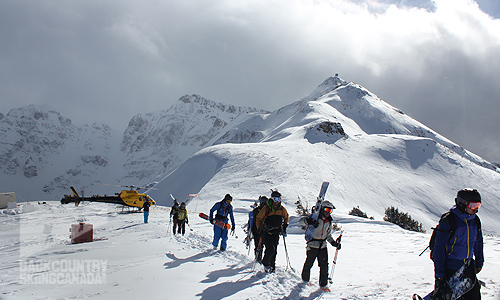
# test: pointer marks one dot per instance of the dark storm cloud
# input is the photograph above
(109, 60)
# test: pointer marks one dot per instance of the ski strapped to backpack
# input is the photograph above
(310, 228)
(450, 218)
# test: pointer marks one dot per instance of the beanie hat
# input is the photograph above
(228, 197)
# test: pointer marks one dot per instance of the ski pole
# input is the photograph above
(332, 270)
(169, 227)
(288, 264)
(423, 251)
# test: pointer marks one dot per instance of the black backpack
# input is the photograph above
(453, 227)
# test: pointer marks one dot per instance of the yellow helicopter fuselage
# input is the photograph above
(134, 199)
(130, 198)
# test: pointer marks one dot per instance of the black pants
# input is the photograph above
(270, 241)
(175, 225)
(322, 256)
(182, 226)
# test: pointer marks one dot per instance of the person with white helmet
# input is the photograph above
(317, 247)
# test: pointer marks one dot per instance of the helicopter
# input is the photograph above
(130, 198)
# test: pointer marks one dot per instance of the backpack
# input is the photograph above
(453, 227)
(182, 214)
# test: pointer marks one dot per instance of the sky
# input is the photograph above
(106, 61)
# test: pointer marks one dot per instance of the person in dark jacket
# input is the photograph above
(271, 221)
(174, 211)
(182, 218)
(223, 211)
(317, 246)
(145, 207)
(255, 231)
(465, 247)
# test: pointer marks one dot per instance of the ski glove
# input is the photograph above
(440, 287)
(311, 221)
(212, 221)
(336, 244)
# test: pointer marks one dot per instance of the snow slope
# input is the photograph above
(375, 158)
(132, 260)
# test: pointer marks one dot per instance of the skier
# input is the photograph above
(173, 214)
(271, 221)
(182, 218)
(145, 207)
(255, 231)
(450, 253)
(317, 247)
(224, 210)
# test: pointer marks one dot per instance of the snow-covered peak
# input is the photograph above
(36, 114)
(43, 150)
(377, 156)
(160, 141)
(328, 85)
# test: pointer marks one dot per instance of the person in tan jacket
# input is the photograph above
(271, 221)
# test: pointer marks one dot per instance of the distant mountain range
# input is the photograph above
(339, 132)
(42, 153)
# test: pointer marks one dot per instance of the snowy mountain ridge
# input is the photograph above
(374, 155)
(158, 142)
(46, 152)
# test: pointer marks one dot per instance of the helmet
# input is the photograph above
(275, 194)
(262, 199)
(328, 204)
(464, 196)
(183, 204)
(228, 197)
(276, 197)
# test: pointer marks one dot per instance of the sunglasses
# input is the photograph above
(474, 205)
(327, 209)
(276, 199)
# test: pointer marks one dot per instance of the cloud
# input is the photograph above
(107, 61)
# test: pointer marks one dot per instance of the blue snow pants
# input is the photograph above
(220, 234)
(146, 215)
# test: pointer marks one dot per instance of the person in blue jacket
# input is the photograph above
(466, 244)
(224, 211)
